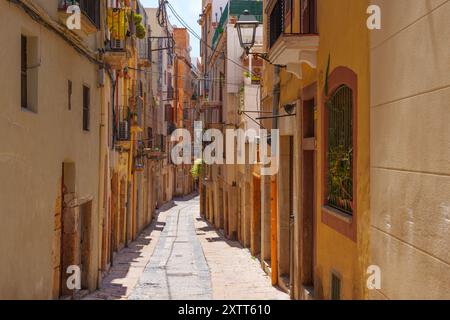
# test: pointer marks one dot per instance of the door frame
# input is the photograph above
(307, 144)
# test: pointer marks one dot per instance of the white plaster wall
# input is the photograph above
(252, 103)
(235, 71)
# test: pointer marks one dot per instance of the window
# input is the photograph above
(288, 14)
(335, 286)
(91, 8)
(69, 94)
(283, 14)
(24, 72)
(150, 137)
(308, 17)
(339, 173)
(29, 67)
(276, 23)
(86, 107)
(168, 113)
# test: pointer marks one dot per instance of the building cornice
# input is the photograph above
(40, 16)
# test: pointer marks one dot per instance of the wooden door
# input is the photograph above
(274, 231)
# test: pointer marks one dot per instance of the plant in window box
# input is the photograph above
(340, 178)
(253, 77)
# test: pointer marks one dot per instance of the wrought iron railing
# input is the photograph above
(276, 22)
(283, 15)
(91, 8)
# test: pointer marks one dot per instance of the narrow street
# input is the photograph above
(181, 257)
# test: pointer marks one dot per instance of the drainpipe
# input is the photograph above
(102, 154)
(276, 96)
(273, 206)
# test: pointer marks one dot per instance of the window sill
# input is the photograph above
(26, 110)
(338, 214)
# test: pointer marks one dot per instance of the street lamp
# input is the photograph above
(246, 29)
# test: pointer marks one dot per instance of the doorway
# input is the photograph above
(256, 217)
(85, 243)
(286, 212)
(121, 225)
(67, 233)
(307, 221)
(274, 230)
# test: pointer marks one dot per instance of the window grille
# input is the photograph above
(340, 150)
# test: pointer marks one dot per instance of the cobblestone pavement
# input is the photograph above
(182, 257)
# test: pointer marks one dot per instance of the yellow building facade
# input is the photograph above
(329, 247)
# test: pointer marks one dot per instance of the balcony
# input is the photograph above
(90, 15)
(293, 44)
(144, 52)
(123, 125)
(139, 159)
(116, 54)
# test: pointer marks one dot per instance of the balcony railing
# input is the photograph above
(90, 18)
(91, 8)
(281, 19)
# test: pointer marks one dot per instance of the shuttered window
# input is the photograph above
(91, 8)
(86, 107)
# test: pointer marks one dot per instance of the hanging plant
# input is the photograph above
(140, 31)
(137, 18)
(196, 170)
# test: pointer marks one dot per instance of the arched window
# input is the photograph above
(340, 150)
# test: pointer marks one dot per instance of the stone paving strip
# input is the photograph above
(235, 273)
(177, 270)
(130, 262)
(181, 257)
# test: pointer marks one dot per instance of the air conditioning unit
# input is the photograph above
(117, 44)
(124, 131)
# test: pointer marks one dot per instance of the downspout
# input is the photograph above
(276, 97)
(274, 193)
(102, 191)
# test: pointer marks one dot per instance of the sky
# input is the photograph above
(189, 10)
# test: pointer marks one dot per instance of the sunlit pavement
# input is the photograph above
(182, 257)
